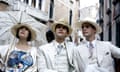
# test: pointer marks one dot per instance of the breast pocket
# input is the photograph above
(107, 54)
(108, 58)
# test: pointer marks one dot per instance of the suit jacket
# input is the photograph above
(104, 52)
(46, 56)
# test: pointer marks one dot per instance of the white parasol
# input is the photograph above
(10, 18)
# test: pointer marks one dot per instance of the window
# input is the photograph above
(117, 9)
(26, 1)
(51, 9)
(40, 4)
(33, 3)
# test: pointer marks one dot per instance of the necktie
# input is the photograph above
(59, 48)
(91, 49)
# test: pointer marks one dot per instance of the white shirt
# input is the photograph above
(61, 61)
(93, 61)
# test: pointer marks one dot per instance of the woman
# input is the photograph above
(21, 57)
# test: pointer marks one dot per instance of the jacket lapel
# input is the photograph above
(49, 55)
(84, 53)
(99, 51)
(69, 50)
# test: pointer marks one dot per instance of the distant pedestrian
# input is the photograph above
(49, 34)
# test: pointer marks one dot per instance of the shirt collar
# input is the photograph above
(93, 43)
(56, 44)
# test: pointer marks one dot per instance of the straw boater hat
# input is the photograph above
(91, 22)
(17, 26)
(63, 22)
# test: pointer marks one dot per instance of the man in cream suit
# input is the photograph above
(57, 55)
(96, 56)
